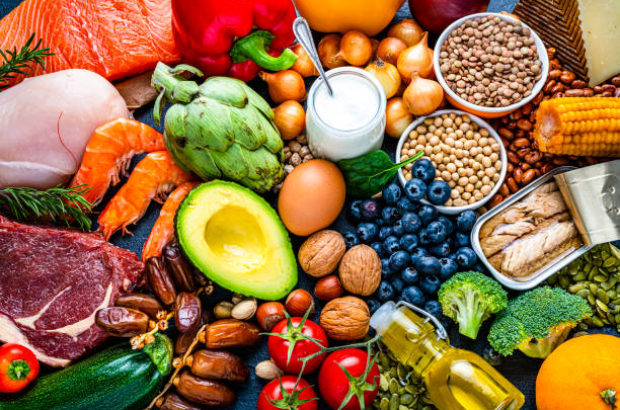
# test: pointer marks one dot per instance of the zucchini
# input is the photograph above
(117, 378)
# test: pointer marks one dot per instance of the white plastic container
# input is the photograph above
(350, 123)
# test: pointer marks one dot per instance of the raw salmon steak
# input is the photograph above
(114, 38)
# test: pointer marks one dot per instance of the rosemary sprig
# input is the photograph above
(17, 62)
(60, 205)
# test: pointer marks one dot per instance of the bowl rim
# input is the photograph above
(453, 210)
(542, 56)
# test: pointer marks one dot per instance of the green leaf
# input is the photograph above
(368, 174)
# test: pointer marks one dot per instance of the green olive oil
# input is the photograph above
(456, 379)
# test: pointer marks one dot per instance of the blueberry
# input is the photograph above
(466, 257)
(386, 272)
(416, 254)
(465, 221)
(414, 295)
(447, 222)
(399, 261)
(408, 242)
(410, 276)
(378, 247)
(367, 231)
(405, 205)
(425, 237)
(441, 251)
(399, 229)
(479, 267)
(411, 222)
(380, 222)
(398, 285)
(415, 189)
(370, 209)
(355, 210)
(392, 193)
(390, 215)
(350, 239)
(430, 284)
(373, 305)
(434, 308)
(427, 214)
(385, 231)
(391, 245)
(437, 231)
(423, 169)
(461, 239)
(448, 268)
(428, 265)
(438, 192)
(385, 292)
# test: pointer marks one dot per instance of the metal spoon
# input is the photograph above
(304, 36)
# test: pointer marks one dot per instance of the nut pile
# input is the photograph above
(490, 62)
(296, 152)
(466, 156)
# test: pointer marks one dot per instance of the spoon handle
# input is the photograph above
(304, 36)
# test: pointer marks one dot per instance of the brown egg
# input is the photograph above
(312, 197)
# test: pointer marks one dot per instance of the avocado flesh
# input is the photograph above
(237, 240)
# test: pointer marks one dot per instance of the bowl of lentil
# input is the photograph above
(490, 64)
(466, 151)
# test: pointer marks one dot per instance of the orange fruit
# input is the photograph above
(577, 372)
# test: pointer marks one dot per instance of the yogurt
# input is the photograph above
(350, 123)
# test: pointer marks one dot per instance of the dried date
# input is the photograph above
(208, 392)
(188, 312)
(141, 302)
(159, 281)
(122, 322)
(218, 365)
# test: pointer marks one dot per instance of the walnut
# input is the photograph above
(320, 254)
(360, 270)
(345, 318)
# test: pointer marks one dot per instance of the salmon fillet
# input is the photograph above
(114, 38)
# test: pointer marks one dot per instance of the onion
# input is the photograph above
(397, 118)
(290, 118)
(329, 51)
(303, 65)
(284, 85)
(375, 46)
(390, 48)
(387, 75)
(408, 31)
(416, 59)
(356, 48)
(422, 96)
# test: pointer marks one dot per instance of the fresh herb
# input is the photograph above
(368, 174)
(17, 62)
(58, 204)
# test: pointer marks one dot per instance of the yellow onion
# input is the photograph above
(416, 59)
(356, 48)
(290, 118)
(408, 31)
(390, 48)
(329, 51)
(284, 85)
(303, 65)
(387, 75)
(397, 118)
(422, 96)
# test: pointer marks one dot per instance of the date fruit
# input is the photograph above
(227, 333)
(172, 401)
(208, 392)
(159, 281)
(180, 269)
(188, 312)
(217, 365)
(139, 301)
(122, 322)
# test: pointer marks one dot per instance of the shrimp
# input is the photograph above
(153, 177)
(163, 230)
(110, 150)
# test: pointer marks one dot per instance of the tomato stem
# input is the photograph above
(18, 370)
(609, 397)
(334, 348)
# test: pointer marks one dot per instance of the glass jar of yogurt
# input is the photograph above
(350, 123)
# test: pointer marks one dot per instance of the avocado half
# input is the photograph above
(237, 240)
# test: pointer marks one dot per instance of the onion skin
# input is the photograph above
(356, 48)
(417, 59)
(290, 118)
(329, 51)
(387, 75)
(436, 15)
(284, 85)
(390, 48)
(422, 96)
(408, 31)
(303, 65)
(397, 117)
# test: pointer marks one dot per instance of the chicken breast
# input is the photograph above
(47, 122)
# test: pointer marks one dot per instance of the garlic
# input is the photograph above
(223, 310)
(245, 309)
(268, 370)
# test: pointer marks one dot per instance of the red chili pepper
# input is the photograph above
(18, 367)
(235, 37)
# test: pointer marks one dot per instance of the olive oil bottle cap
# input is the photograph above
(382, 318)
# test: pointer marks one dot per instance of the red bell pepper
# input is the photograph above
(235, 37)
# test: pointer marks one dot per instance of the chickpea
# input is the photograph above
(459, 144)
(422, 140)
(451, 167)
(441, 167)
(485, 190)
(451, 183)
(478, 195)
(455, 194)
(463, 181)
(455, 176)
(460, 189)
(466, 196)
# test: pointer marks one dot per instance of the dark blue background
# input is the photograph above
(519, 369)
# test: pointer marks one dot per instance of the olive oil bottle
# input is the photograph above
(455, 379)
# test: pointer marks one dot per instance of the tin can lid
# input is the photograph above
(592, 195)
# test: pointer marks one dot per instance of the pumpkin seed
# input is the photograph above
(600, 278)
(609, 262)
(577, 334)
(564, 281)
(406, 399)
(593, 288)
(602, 296)
(574, 288)
(393, 387)
(579, 277)
(601, 305)
(597, 321)
(394, 402)
(383, 382)
(591, 299)
(402, 407)
(402, 373)
(385, 404)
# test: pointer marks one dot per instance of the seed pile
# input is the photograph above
(466, 156)
(296, 152)
(490, 62)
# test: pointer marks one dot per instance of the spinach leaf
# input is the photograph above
(368, 174)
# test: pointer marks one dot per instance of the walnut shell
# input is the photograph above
(345, 318)
(320, 254)
(360, 270)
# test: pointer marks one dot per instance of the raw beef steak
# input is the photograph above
(52, 281)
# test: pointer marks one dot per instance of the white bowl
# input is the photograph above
(489, 112)
(453, 210)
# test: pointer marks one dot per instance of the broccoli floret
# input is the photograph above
(469, 298)
(537, 321)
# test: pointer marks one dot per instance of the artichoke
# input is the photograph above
(221, 129)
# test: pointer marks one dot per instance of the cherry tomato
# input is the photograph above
(336, 386)
(300, 397)
(288, 334)
(18, 367)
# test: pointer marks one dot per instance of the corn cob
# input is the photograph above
(582, 126)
